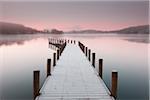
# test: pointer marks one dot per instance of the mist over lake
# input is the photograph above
(33, 34)
(21, 54)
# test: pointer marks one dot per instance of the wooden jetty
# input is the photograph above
(74, 76)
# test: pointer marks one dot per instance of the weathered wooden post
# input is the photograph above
(71, 41)
(86, 51)
(54, 59)
(114, 83)
(93, 59)
(36, 83)
(89, 51)
(100, 68)
(65, 40)
(58, 53)
(48, 67)
(68, 41)
(74, 42)
(83, 49)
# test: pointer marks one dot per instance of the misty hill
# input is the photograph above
(143, 29)
(12, 28)
(87, 31)
(55, 31)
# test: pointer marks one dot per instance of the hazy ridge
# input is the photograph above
(12, 28)
(142, 29)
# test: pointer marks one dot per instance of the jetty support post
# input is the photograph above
(48, 67)
(89, 54)
(54, 59)
(100, 68)
(62, 48)
(114, 84)
(93, 59)
(83, 49)
(86, 51)
(71, 41)
(65, 40)
(79, 44)
(36, 83)
(58, 54)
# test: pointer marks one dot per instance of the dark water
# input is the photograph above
(21, 54)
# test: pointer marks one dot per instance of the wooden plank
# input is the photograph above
(74, 78)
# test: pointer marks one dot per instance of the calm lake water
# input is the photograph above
(21, 54)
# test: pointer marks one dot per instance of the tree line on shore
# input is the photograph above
(12, 28)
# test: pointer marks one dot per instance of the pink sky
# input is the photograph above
(68, 16)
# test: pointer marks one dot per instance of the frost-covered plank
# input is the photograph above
(74, 78)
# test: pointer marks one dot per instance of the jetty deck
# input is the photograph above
(74, 78)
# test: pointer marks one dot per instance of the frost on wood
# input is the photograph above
(74, 78)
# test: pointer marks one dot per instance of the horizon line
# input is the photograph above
(75, 29)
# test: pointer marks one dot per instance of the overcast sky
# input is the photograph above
(77, 15)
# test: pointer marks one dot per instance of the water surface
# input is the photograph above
(21, 54)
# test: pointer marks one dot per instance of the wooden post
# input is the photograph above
(71, 41)
(68, 41)
(89, 51)
(74, 42)
(101, 68)
(58, 53)
(114, 84)
(93, 59)
(36, 83)
(48, 67)
(65, 40)
(83, 49)
(54, 59)
(86, 51)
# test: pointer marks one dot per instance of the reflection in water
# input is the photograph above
(17, 63)
(16, 39)
(19, 42)
(131, 61)
(139, 40)
(20, 39)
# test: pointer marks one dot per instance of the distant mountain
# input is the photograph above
(55, 31)
(87, 31)
(12, 28)
(143, 29)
